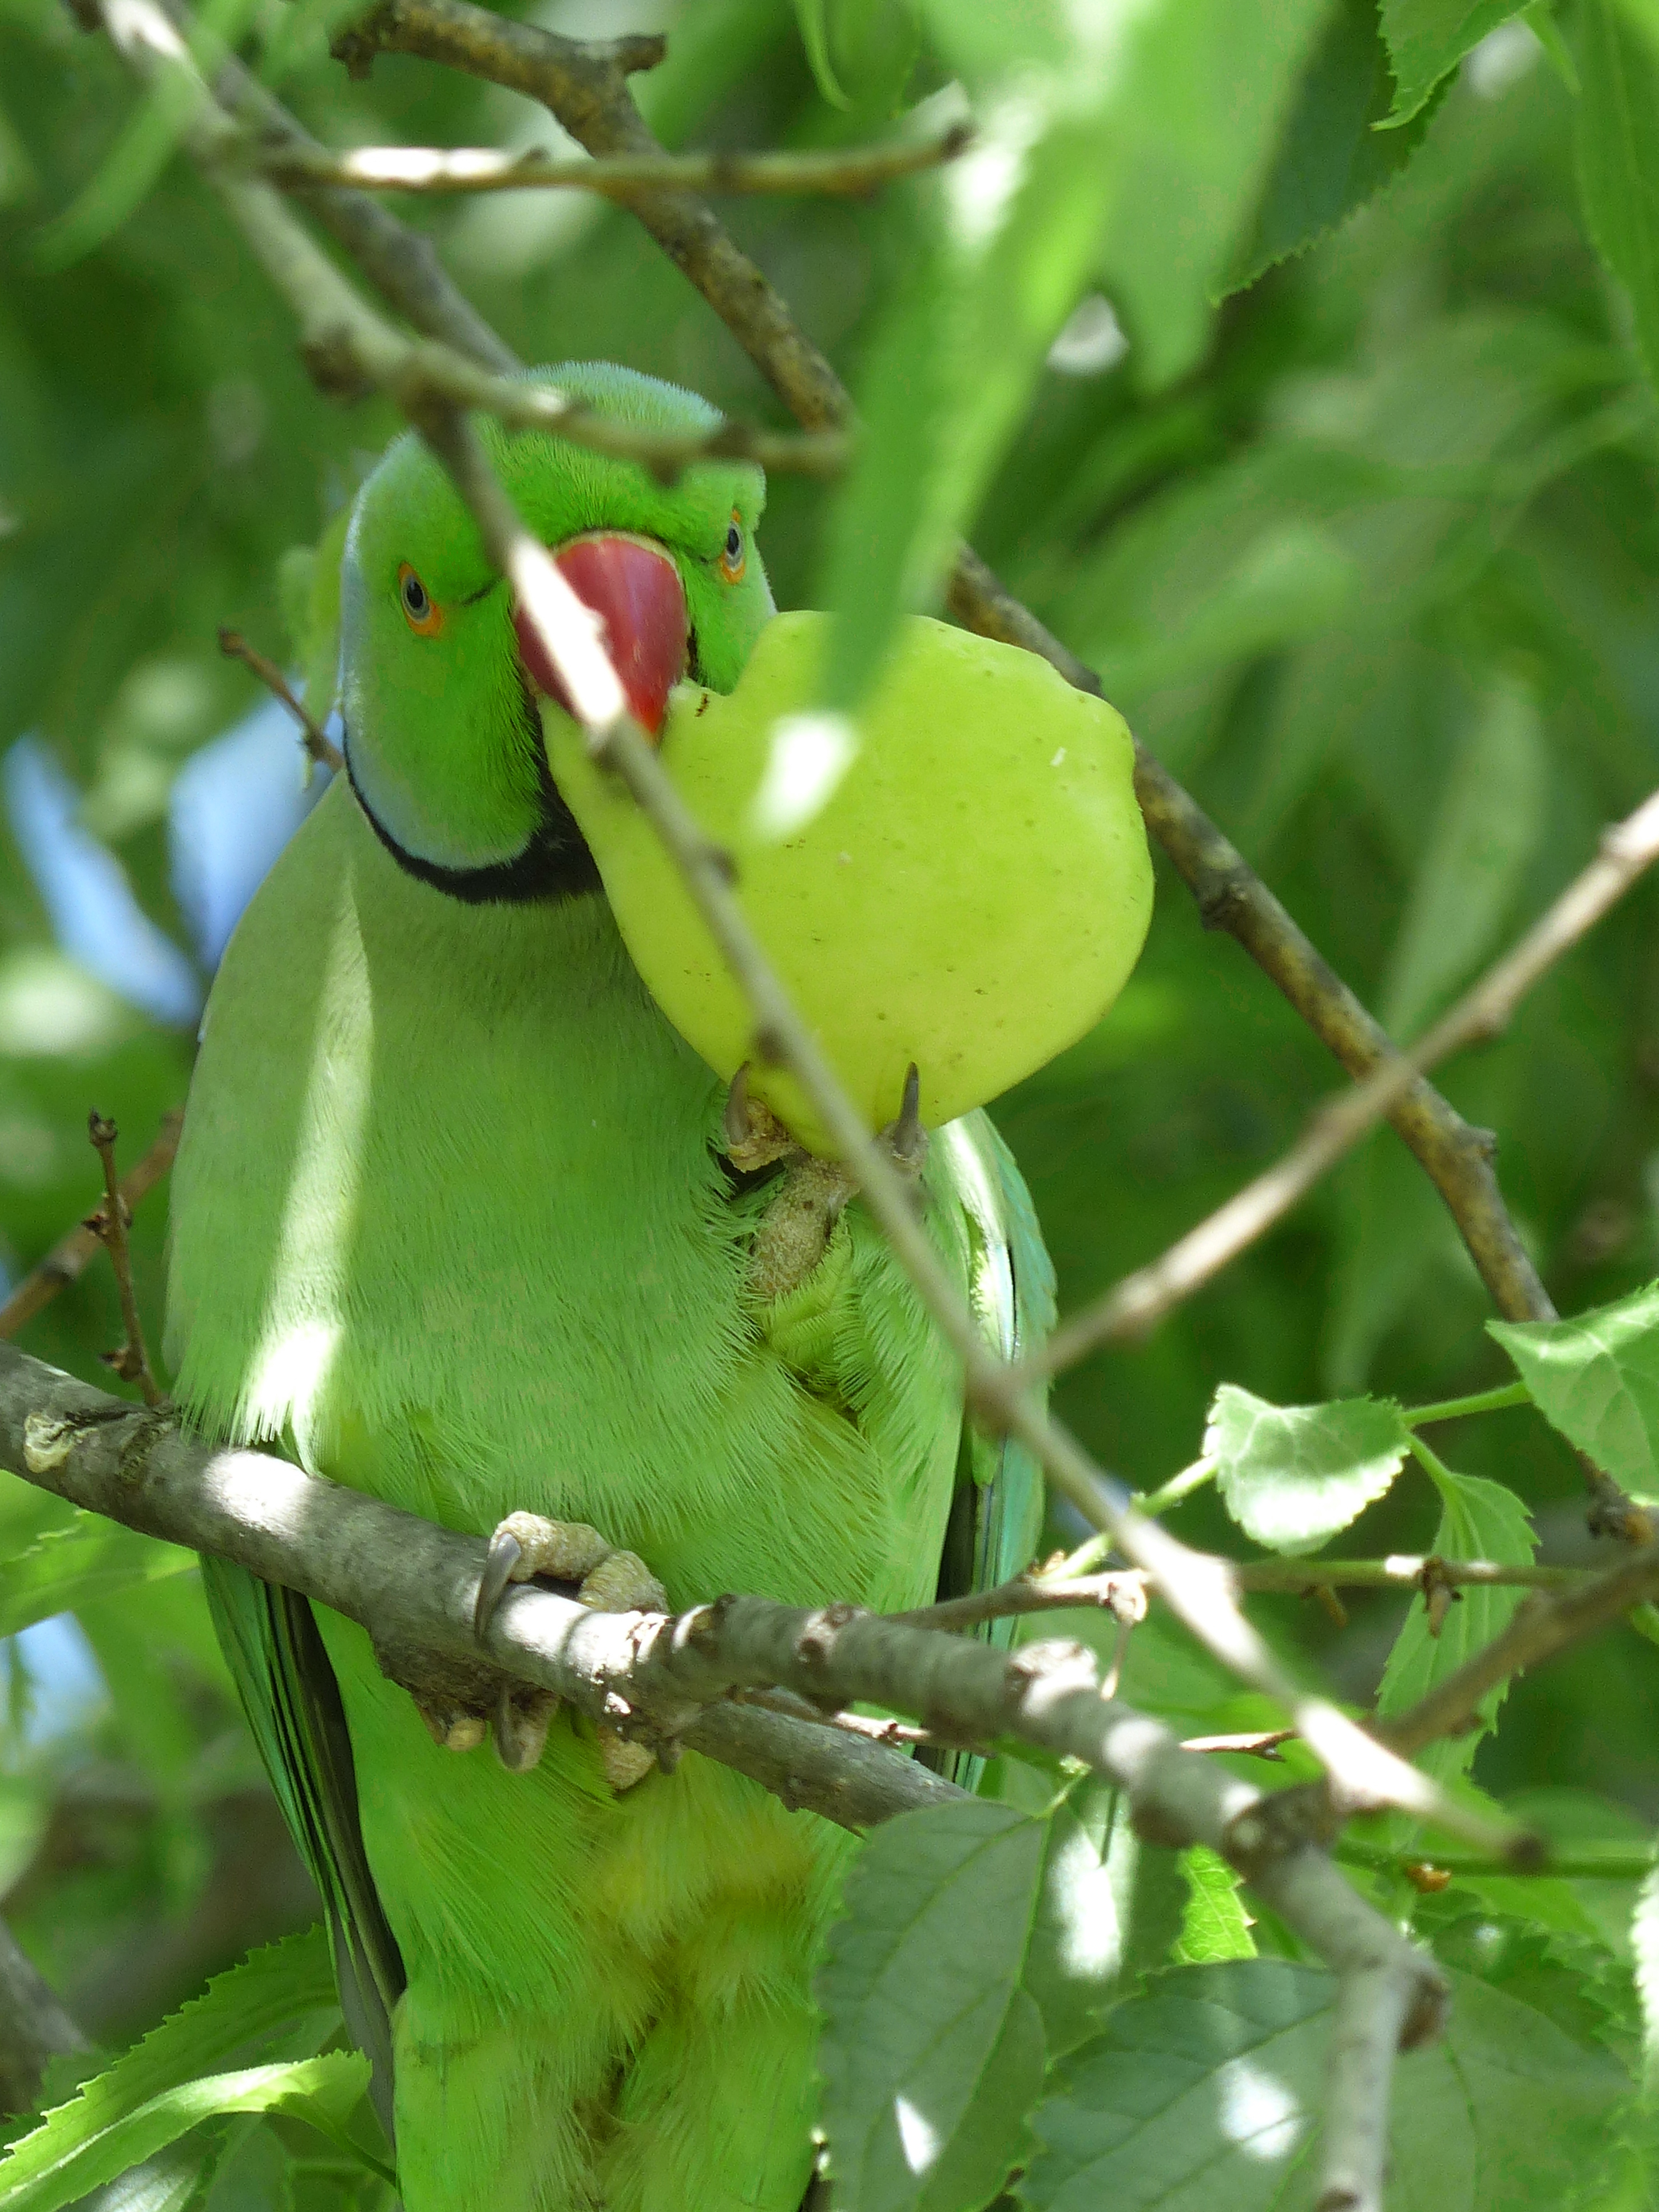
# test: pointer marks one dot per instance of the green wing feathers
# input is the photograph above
(996, 1518)
(292, 1702)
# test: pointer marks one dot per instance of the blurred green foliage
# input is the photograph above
(1369, 552)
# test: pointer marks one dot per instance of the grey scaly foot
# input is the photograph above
(610, 1581)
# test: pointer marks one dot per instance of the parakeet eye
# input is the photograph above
(422, 616)
(732, 557)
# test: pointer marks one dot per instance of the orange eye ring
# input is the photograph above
(734, 556)
(421, 611)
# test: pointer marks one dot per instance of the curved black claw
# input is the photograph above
(907, 1140)
(739, 1120)
(505, 1554)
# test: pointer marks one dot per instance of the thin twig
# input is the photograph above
(318, 744)
(1134, 1306)
(1402, 1571)
(351, 350)
(1123, 1589)
(586, 87)
(849, 171)
(1633, 1863)
(109, 1224)
(1542, 1626)
(68, 1258)
(897, 1735)
(1253, 1743)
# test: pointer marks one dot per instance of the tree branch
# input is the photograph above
(109, 1225)
(1139, 1301)
(847, 171)
(413, 1586)
(351, 350)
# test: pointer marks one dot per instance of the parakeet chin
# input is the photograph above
(460, 1220)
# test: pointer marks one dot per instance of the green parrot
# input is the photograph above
(460, 1220)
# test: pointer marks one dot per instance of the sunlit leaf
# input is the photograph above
(1596, 1376)
(1208, 2090)
(156, 2092)
(1213, 1925)
(1109, 1907)
(1644, 1948)
(48, 2170)
(1127, 139)
(1293, 1475)
(932, 2052)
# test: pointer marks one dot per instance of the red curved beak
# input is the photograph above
(636, 590)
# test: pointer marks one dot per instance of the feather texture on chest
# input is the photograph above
(447, 1217)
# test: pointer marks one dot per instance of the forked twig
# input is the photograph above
(68, 1258)
(109, 1224)
(318, 744)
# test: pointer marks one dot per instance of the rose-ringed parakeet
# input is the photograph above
(457, 1220)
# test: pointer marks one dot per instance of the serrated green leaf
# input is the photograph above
(1213, 1925)
(1617, 139)
(283, 1995)
(931, 2051)
(1292, 1475)
(91, 1558)
(324, 2093)
(1208, 2090)
(1427, 38)
(1594, 1376)
(1487, 827)
(1109, 1907)
(1479, 1520)
(1213, 84)
(1330, 160)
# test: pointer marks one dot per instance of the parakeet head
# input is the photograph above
(440, 691)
